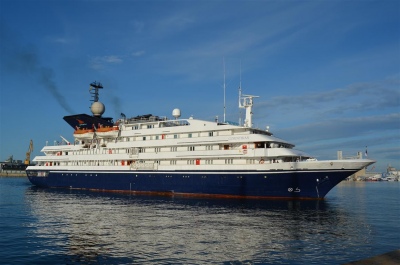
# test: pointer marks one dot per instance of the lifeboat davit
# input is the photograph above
(107, 132)
(84, 133)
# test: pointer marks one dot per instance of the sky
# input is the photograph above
(327, 73)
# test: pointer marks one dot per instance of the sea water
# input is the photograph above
(57, 226)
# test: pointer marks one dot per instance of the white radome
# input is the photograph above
(176, 113)
(97, 108)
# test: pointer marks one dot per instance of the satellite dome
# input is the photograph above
(176, 113)
(97, 108)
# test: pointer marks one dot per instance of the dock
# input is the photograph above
(12, 173)
(389, 258)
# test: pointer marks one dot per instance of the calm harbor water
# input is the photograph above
(53, 226)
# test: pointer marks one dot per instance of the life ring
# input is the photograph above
(109, 151)
(123, 162)
(261, 161)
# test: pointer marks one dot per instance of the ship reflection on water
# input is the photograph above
(91, 227)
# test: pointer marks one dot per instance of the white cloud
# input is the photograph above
(195, 37)
(354, 100)
(173, 23)
(60, 40)
(138, 53)
(112, 59)
(100, 62)
(342, 128)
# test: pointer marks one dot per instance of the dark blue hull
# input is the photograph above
(265, 184)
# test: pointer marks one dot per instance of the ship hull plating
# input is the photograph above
(259, 184)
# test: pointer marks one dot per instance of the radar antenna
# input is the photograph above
(95, 94)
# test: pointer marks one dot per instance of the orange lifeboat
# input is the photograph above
(107, 132)
(84, 133)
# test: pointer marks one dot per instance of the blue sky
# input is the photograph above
(327, 72)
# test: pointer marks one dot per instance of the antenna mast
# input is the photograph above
(240, 94)
(246, 102)
(96, 86)
(223, 59)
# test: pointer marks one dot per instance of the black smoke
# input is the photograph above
(24, 61)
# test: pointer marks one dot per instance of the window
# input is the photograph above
(174, 149)
(157, 137)
(210, 133)
(209, 147)
(175, 136)
(229, 161)
(190, 135)
(144, 138)
(190, 148)
(157, 149)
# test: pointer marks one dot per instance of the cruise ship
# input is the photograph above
(148, 154)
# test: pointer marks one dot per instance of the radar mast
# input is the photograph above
(95, 94)
(246, 102)
(97, 107)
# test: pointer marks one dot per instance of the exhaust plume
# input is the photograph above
(24, 60)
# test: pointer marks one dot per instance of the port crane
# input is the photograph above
(28, 153)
